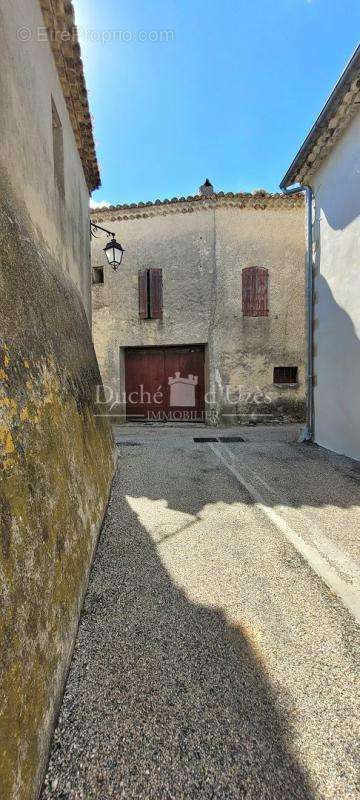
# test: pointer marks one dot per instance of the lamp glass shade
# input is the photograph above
(114, 253)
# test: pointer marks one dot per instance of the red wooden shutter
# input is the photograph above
(143, 294)
(156, 294)
(247, 291)
(262, 292)
(255, 292)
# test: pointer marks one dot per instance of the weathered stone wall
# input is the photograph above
(56, 467)
(202, 245)
(247, 348)
(56, 456)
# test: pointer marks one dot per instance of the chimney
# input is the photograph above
(206, 189)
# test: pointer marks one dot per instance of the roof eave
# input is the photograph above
(336, 95)
(59, 19)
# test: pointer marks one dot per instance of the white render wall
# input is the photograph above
(337, 296)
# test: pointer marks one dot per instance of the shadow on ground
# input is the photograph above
(300, 474)
(164, 699)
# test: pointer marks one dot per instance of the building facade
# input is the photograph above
(56, 455)
(329, 162)
(211, 291)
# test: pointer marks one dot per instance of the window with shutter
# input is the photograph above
(255, 292)
(150, 294)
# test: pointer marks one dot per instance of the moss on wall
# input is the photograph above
(57, 462)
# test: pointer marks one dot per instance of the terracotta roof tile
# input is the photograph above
(259, 199)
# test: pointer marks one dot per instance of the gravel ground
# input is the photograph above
(210, 661)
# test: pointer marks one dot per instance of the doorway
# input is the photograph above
(165, 384)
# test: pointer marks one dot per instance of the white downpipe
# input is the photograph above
(309, 305)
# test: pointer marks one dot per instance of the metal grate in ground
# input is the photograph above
(200, 439)
(128, 444)
(231, 439)
(203, 439)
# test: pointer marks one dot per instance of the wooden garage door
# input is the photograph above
(151, 396)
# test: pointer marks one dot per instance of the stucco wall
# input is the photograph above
(56, 457)
(337, 291)
(202, 248)
(28, 81)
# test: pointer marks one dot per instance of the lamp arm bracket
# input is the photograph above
(95, 227)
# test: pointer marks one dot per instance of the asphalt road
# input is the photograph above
(218, 650)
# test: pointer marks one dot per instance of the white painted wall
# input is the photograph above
(337, 300)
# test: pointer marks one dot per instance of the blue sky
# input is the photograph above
(229, 93)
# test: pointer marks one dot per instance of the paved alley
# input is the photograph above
(218, 649)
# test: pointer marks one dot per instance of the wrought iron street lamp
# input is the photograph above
(113, 250)
(114, 253)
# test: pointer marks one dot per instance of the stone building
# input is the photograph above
(328, 163)
(56, 456)
(211, 288)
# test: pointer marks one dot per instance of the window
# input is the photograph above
(255, 292)
(285, 374)
(150, 294)
(98, 275)
(58, 150)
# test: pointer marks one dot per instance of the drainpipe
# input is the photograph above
(309, 432)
